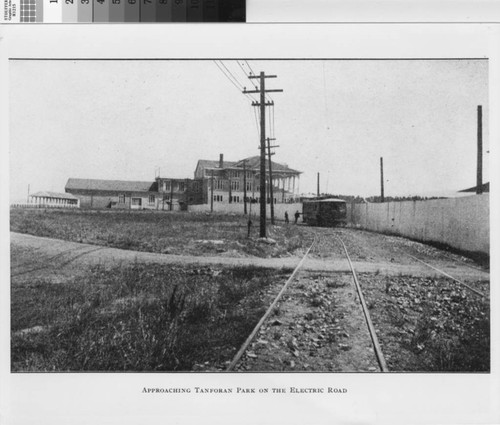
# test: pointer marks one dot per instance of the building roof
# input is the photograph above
(207, 163)
(110, 185)
(54, 195)
(485, 187)
(252, 162)
(326, 200)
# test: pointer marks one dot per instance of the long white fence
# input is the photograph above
(462, 223)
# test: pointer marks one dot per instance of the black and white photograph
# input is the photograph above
(163, 205)
(251, 218)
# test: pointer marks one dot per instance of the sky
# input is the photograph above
(130, 120)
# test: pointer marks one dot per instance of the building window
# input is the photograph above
(249, 185)
(235, 185)
(182, 186)
(151, 199)
(121, 198)
(219, 184)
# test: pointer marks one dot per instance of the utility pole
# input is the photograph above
(212, 192)
(172, 195)
(245, 186)
(262, 91)
(28, 198)
(479, 176)
(271, 190)
(381, 179)
(317, 188)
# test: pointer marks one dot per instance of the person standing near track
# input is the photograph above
(286, 217)
(297, 215)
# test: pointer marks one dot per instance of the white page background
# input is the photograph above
(117, 398)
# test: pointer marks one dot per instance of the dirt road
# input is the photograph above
(32, 254)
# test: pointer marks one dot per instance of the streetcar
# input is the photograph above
(329, 212)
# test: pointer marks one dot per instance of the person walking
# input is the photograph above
(286, 217)
(297, 215)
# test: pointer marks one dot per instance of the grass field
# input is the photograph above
(168, 233)
(137, 318)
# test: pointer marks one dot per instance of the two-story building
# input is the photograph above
(230, 181)
(218, 181)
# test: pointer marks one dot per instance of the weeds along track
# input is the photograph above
(366, 353)
(470, 288)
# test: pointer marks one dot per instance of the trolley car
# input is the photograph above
(328, 212)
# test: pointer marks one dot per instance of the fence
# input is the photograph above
(254, 209)
(44, 206)
(461, 223)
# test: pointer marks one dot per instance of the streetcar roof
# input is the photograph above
(325, 200)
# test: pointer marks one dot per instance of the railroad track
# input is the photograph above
(442, 272)
(323, 241)
(318, 241)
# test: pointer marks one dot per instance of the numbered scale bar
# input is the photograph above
(85, 11)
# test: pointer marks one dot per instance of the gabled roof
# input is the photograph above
(253, 162)
(55, 195)
(110, 185)
(207, 163)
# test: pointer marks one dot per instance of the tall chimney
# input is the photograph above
(221, 160)
(382, 179)
(479, 182)
(317, 189)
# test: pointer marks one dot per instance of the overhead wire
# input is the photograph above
(235, 82)
(267, 96)
(229, 75)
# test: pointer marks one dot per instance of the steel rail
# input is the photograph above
(245, 345)
(376, 345)
(449, 276)
(462, 262)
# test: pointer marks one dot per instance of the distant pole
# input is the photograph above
(171, 195)
(212, 192)
(479, 179)
(381, 179)
(271, 192)
(28, 198)
(317, 189)
(245, 187)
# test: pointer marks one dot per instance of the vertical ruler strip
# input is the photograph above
(84, 10)
(52, 11)
(131, 13)
(101, 10)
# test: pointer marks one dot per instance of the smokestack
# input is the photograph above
(221, 160)
(479, 179)
(318, 186)
(381, 179)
